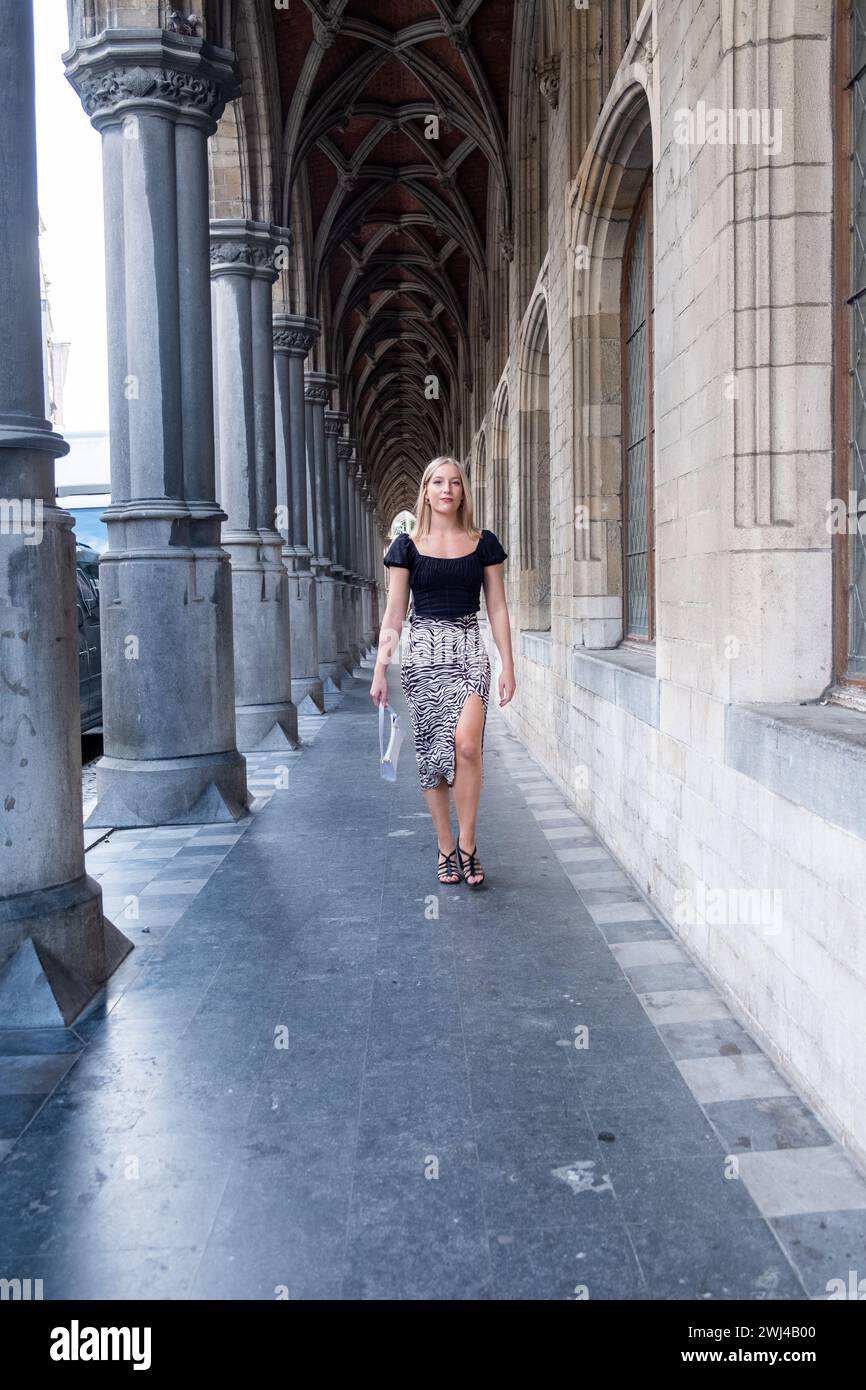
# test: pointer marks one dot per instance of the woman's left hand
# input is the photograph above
(507, 687)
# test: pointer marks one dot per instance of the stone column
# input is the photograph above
(334, 422)
(360, 480)
(356, 562)
(374, 576)
(345, 455)
(318, 388)
(56, 948)
(368, 565)
(294, 336)
(167, 660)
(242, 275)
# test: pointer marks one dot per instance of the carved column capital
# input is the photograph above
(125, 72)
(318, 387)
(334, 422)
(247, 248)
(295, 334)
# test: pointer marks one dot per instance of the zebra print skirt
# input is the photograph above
(444, 661)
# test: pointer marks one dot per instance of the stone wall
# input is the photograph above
(738, 809)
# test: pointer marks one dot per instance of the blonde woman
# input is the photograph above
(445, 675)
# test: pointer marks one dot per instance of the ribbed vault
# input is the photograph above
(395, 137)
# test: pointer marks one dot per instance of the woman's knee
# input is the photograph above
(468, 746)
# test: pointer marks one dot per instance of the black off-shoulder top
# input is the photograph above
(443, 588)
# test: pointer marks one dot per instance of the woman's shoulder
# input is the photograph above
(399, 551)
(490, 549)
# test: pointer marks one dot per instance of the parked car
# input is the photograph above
(89, 646)
(86, 502)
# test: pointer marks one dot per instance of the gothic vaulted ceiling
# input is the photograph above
(395, 140)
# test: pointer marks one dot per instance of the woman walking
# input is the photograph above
(445, 674)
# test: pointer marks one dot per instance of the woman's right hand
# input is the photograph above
(379, 687)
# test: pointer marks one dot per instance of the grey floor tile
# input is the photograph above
(791, 1182)
(33, 1076)
(590, 1258)
(828, 1249)
(414, 1237)
(777, 1122)
(714, 1037)
(745, 1076)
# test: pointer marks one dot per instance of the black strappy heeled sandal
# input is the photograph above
(448, 868)
(474, 867)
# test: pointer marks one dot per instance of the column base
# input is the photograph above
(266, 728)
(344, 660)
(206, 790)
(308, 695)
(331, 671)
(58, 951)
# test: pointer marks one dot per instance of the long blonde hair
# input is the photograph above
(466, 511)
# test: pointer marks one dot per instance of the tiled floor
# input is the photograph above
(323, 1073)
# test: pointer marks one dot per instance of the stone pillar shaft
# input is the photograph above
(318, 388)
(168, 678)
(294, 337)
(56, 948)
(345, 456)
(334, 422)
(242, 275)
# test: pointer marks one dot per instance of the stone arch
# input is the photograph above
(620, 157)
(479, 481)
(534, 467)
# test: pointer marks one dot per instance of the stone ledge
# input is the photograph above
(621, 675)
(537, 647)
(812, 755)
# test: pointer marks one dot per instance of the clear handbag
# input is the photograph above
(388, 756)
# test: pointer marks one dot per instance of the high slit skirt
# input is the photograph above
(444, 662)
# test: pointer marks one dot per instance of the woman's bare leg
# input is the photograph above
(467, 781)
(438, 800)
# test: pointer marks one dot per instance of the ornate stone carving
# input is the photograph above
(345, 450)
(101, 92)
(548, 80)
(298, 340)
(316, 393)
(178, 23)
(242, 253)
(325, 31)
(506, 243)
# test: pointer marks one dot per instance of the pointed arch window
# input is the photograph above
(638, 436)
